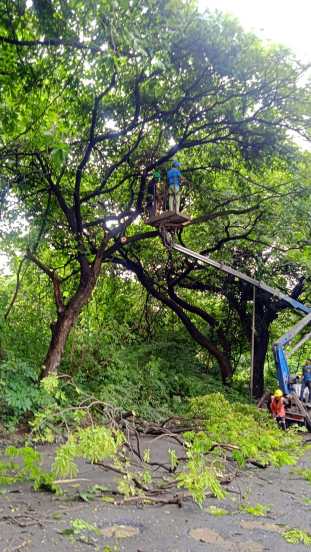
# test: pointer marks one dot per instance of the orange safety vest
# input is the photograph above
(278, 407)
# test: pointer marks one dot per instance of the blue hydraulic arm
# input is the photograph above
(279, 353)
(278, 347)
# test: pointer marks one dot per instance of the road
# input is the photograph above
(41, 522)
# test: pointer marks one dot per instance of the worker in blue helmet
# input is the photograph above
(174, 181)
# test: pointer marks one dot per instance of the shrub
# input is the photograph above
(19, 389)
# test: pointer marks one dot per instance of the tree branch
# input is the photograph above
(53, 277)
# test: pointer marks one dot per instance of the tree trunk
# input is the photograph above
(63, 325)
(260, 351)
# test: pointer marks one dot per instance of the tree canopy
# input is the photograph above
(96, 96)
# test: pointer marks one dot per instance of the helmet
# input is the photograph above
(176, 163)
(278, 394)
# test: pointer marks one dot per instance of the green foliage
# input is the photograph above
(256, 509)
(126, 486)
(151, 376)
(305, 473)
(50, 110)
(81, 530)
(297, 536)
(237, 423)
(93, 444)
(85, 150)
(25, 465)
(79, 525)
(58, 410)
(92, 492)
(198, 476)
(18, 388)
(216, 511)
(198, 480)
(173, 458)
(147, 455)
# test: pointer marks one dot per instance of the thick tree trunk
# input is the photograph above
(260, 351)
(60, 331)
(63, 325)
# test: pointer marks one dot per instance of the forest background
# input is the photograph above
(95, 97)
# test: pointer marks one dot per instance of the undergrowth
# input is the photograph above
(143, 377)
(222, 431)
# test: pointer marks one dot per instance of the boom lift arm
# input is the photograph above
(278, 346)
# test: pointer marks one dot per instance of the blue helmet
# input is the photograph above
(176, 163)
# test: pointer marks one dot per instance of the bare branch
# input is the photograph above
(53, 277)
(17, 287)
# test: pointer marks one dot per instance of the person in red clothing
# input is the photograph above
(277, 407)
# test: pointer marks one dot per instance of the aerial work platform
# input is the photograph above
(169, 220)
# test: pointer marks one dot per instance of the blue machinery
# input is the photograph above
(278, 347)
(167, 223)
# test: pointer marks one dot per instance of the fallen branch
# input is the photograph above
(176, 499)
(137, 483)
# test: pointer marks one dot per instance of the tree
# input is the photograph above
(265, 241)
(97, 96)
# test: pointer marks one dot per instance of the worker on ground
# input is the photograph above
(277, 407)
(306, 380)
(174, 181)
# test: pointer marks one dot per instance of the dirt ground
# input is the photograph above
(41, 522)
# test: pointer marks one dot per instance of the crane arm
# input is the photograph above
(300, 307)
(278, 346)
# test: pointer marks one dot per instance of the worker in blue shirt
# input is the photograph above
(306, 380)
(174, 181)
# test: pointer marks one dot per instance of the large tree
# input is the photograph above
(268, 239)
(99, 94)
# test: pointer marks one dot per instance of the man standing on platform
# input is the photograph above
(174, 181)
(154, 194)
(159, 193)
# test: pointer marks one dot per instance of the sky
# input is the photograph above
(281, 21)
